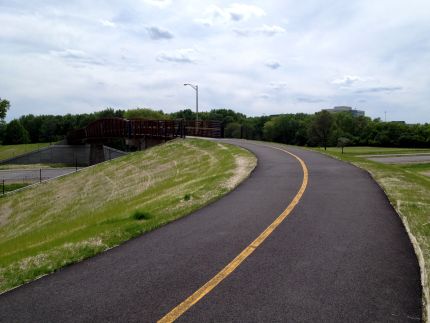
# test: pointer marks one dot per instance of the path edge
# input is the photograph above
(425, 301)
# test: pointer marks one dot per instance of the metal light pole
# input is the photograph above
(196, 88)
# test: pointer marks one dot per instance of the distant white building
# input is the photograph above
(354, 112)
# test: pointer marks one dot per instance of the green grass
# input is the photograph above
(70, 218)
(9, 151)
(34, 166)
(416, 168)
(353, 151)
(12, 187)
(408, 190)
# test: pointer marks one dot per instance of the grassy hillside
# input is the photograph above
(68, 219)
(10, 151)
(408, 189)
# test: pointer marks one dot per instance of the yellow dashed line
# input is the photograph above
(227, 270)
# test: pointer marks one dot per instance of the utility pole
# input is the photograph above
(196, 88)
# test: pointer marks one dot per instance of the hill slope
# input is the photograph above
(68, 219)
(9, 151)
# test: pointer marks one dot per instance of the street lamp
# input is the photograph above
(196, 88)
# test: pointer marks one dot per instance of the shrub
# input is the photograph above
(141, 215)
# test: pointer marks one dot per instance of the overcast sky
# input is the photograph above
(256, 57)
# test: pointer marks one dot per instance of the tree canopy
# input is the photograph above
(319, 129)
(4, 107)
(15, 134)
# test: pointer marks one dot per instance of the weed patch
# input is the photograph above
(141, 215)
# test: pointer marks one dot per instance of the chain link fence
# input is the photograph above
(12, 179)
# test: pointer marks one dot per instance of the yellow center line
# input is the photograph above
(227, 270)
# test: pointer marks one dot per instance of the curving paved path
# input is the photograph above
(341, 255)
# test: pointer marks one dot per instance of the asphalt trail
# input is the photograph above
(342, 255)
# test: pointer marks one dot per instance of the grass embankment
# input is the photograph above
(12, 187)
(33, 166)
(408, 189)
(71, 218)
(9, 151)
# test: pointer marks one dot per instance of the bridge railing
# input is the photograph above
(204, 128)
(139, 128)
(156, 128)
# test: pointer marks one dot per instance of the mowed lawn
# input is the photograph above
(408, 189)
(354, 151)
(9, 151)
(65, 220)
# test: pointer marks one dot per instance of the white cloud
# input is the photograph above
(264, 96)
(347, 80)
(271, 30)
(274, 65)
(159, 3)
(68, 53)
(82, 56)
(76, 56)
(278, 86)
(186, 55)
(158, 33)
(306, 99)
(380, 89)
(234, 13)
(240, 11)
(264, 30)
(107, 23)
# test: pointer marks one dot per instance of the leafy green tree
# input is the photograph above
(343, 142)
(4, 107)
(269, 130)
(109, 113)
(285, 128)
(3, 126)
(253, 127)
(50, 129)
(226, 116)
(298, 129)
(15, 134)
(145, 114)
(186, 114)
(321, 127)
(233, 130)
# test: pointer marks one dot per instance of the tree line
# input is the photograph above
(319, 129)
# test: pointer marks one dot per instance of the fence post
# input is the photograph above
(3, 186)
(40, 175)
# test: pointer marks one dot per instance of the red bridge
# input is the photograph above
(138, 133)
(109, 128)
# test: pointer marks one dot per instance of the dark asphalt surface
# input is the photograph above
(342, 255)
(402, 159)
